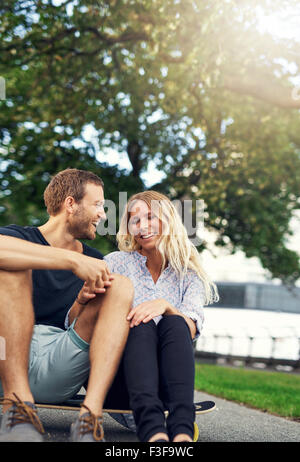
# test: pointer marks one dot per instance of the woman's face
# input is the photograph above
(144, 225)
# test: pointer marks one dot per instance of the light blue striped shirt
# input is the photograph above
(184, 293)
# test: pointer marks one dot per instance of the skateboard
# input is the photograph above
(124, 416)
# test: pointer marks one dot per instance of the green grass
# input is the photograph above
(274, 392)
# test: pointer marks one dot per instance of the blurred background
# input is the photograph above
(197, 99)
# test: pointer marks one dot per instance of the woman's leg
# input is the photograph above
(177, 375)
(142, 380)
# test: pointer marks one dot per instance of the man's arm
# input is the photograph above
(17, 255)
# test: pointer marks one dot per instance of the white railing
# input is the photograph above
(270, 346)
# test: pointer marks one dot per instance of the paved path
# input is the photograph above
(229, 422)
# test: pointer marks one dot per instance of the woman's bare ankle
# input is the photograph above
(159, 436)
(182, 437)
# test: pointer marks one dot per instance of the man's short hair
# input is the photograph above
(69, 182)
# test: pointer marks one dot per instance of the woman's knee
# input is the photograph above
(174, 323)
(143, 335)
(173, 320)
(144, 329)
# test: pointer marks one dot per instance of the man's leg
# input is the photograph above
(103, 324)
(20, 421)
(16, 327)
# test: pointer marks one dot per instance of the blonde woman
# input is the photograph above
(170, 291)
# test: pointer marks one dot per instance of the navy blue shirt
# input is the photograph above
(54, 291)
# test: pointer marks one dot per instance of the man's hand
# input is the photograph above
(93, 271)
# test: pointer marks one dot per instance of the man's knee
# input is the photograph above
(123, 286)
(121, 290)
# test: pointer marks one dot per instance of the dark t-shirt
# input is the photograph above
(54, 291)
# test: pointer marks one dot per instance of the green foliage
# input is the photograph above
(192, 85)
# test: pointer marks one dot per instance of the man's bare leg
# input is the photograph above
(16, 327)
(103, 324)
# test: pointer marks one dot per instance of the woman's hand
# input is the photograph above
(87, 293)
(147, 311)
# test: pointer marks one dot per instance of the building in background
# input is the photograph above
(257, 296)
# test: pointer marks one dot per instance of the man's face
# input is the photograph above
(89, 212)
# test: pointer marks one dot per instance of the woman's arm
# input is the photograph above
(191, 306)
(193, 300)
(171, 310)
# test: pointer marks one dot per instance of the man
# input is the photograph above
(62, 314)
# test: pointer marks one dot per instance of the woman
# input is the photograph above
(170, 291)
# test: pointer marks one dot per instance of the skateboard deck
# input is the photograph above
(124, 416)
(73, 404)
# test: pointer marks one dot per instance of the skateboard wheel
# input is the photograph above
(196, 432)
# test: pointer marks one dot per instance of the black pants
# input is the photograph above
(157, 373)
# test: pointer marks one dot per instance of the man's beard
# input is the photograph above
(80, 226)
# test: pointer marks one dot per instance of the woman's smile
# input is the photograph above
(144, 225)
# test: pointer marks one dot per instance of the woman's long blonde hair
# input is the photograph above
(173, 245)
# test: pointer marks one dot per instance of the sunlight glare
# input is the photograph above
(282, 24)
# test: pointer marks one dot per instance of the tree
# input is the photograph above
(192, 85)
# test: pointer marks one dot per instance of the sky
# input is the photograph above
(283, 24)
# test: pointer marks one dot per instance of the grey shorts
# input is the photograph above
(58, 363)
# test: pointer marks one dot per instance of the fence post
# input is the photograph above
(249, 356)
